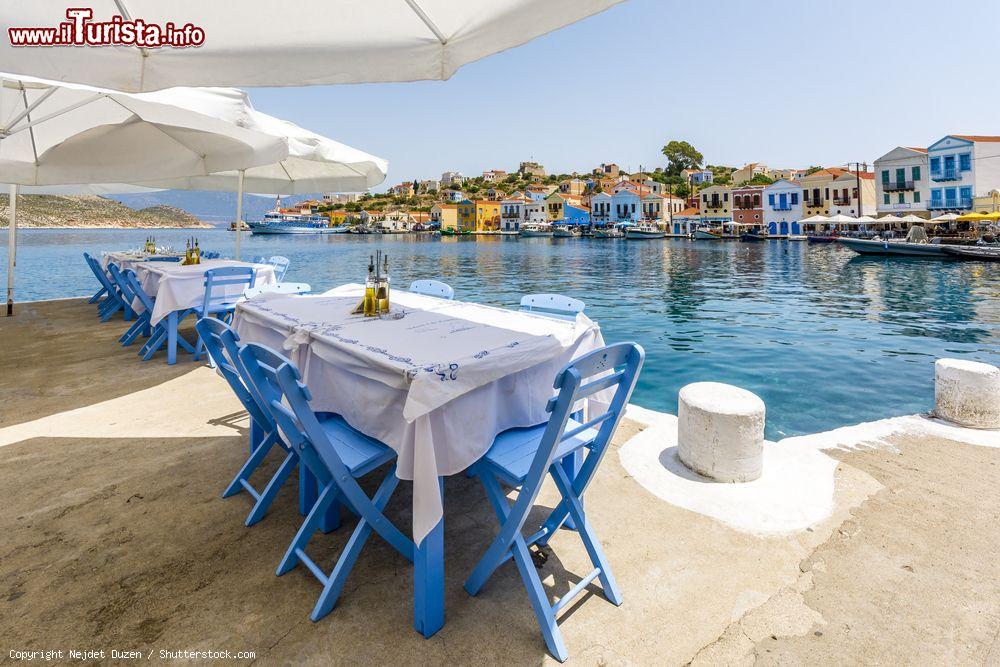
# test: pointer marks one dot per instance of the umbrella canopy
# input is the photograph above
(814, 220)
(978, 217)
(946, 217)
(890, 218)
(912, 219)
(314, 164)
(865, 219)
(53, 133)
(349, 41)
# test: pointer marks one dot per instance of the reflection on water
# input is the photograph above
(825, 337)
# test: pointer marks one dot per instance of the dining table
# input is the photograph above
(127, 259)
(176, 288)
(435, 379)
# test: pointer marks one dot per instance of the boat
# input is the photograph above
(796, 237)
(276, 222)
(822, 238)
(610, 232)
(454, 232)
(982, 253)
(753, 237)
(645, 230)
(536, 229)
(708, 233)
(565, 232)
(889, 247)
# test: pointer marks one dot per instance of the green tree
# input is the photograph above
(682, 190)
(681, 155)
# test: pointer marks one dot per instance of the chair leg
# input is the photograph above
(140, 325)
(251, 464)
(335, 584)
(272, 488)
(97, 295)
(308, 527)
(154, 343)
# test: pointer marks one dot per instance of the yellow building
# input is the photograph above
(467, 215)
(445, 215)
(555, 202)
(988, 203)
(817, 191)
(487, 215)
(715, 204)
(337, 217)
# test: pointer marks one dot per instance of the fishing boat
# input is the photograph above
(286, 223)
(753, 237)
(796, 237)
(609, 232)
(708, 233)
(451, 231)
(565, 232)
(822, 238)
(536, 229)
(982, 253)
(645, 230)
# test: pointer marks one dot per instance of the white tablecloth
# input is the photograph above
(128, 259)
(178, 287)
(437, 385)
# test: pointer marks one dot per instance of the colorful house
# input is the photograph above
(555, 203)
(783, 207)
(494, 175)
(748, 204)
(846, 197)
(902, 182)
(467, 215)
(715, 205)
(685, 222)
(487, 215)
(697, 176)
(572, 186)
(512, 213)
(402, 190)
(816, 191)
(445, 215)
(575, 215)
(962, 167)
(600, 209)
(626, 206)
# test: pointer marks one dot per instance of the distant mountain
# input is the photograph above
(91, 211)
(217, 208)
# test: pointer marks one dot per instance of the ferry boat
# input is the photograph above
(276, 222)
(565, 231)
(645, 230)
(536, 229)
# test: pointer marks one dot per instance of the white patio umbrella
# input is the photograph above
(912, 219)
(945, 217)
(54, 134)
(314, 164)
(347, 41)
(814, 220)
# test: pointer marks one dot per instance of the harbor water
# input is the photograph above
(826, 337)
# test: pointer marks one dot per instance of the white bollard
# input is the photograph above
(720, 431)
(967, 393)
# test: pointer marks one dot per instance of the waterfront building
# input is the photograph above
(674, 204)
(487, 215)
(816, 191)
(962, 168)
(572, 186)
(902, 182)
(697, 176)
(575, 215)
(783, 207)
(748, 171)
(600, 209)
(467, 215)
(655, 209)
(715, 205)
(452, 178)
(846, 199)
(748, 204)
(987, 203)
(686, 221)
(513, 213)
(555, 202)
(531, 169)
(494, 175)
(535, 212)
(626, 205)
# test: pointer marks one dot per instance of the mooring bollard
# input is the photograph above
(720, 431)
(967, 393)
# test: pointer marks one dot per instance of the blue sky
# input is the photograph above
(786, 83)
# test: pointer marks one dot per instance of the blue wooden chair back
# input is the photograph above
(224, 286)
(552, 305)
(279, 382)
(99, 273)
(124, 290)
(259, 259)
(433, 288)
(613, 367)
(223, 347)
(280, 265)
(162, 259)
(136, 290)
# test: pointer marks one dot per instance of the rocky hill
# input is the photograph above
(92, 211)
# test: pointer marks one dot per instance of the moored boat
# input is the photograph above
(565, 232)
(822, 238)
(295, 224)
(610, 232)
(888, 247)
(536, 229)
(982, 253)
(644, 230)
(753, 237)
(708, 234)
(796, 237)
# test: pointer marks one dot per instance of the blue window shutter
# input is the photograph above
(770, 199)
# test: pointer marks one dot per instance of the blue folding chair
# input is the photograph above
(223, 347)
(124, 293)
(158, 332)
(523, 457)
(552, 305)
(338, 456)
(260, 259)
(113, 303)
(156, 258)
(280, 265)
(433, 288)
(103, 290)
(224, 288)
(141, 324)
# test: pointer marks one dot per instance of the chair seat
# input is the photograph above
(514, 450)
(359, 453)
(223, 307)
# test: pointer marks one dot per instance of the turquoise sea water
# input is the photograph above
(825, 337)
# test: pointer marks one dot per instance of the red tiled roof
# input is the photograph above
(974, 137)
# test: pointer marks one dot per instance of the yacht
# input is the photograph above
(536, 229)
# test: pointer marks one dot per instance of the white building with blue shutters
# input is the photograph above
(783, 208)
(902, 182)
(961, 168)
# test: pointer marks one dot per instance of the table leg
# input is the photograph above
(428, 581)
(172, 338)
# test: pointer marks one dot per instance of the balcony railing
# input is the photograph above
(715, 203)
(958, 203)
(896, 186)
(952, 174)
(841, 201)
(781, 207)
(747, 207)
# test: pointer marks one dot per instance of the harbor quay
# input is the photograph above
(853, 545)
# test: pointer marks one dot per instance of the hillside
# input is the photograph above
(92, 211)
(215, 207)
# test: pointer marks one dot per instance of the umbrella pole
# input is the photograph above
(239, 211)
(11, 248)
